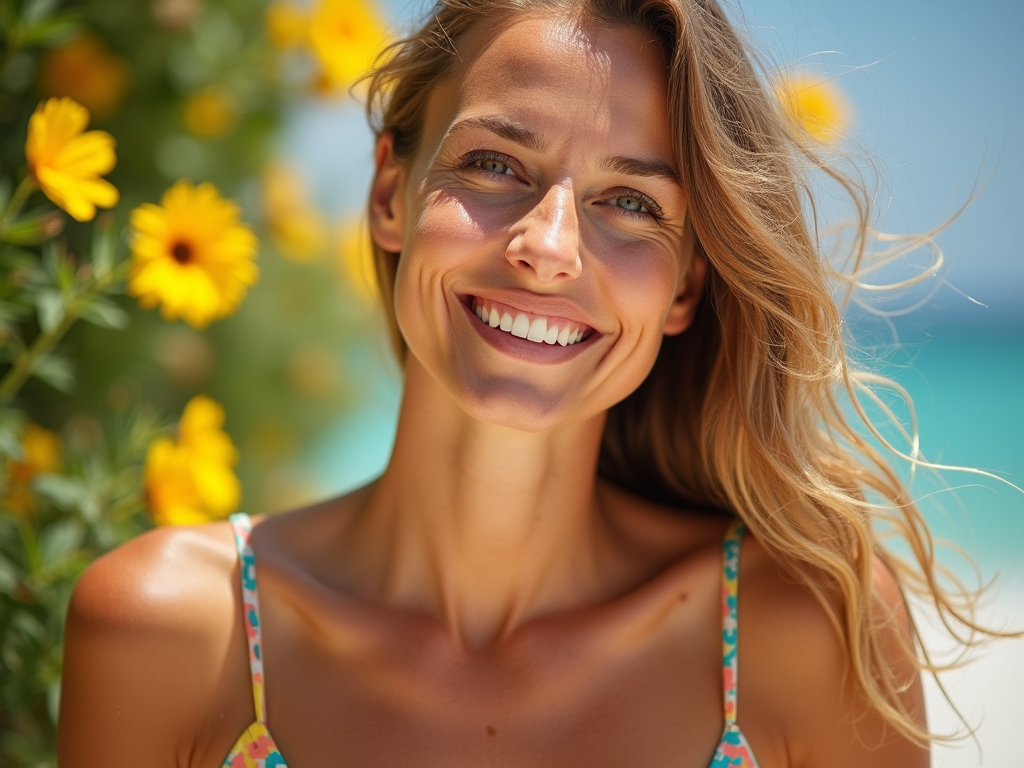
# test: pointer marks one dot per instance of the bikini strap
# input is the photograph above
(730, 630)
(242, 528)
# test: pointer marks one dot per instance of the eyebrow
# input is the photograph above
(518, 133)
(515, 132)
(631, 166)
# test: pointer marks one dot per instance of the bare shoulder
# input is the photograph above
(797, 698)
(164, 580)
(154, 649)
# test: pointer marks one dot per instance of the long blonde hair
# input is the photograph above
(742, 413)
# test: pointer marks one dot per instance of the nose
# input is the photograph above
(546, 240)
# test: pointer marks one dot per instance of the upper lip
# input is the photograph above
(532, 304)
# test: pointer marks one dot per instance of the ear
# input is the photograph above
(687, 300)
(387, 214)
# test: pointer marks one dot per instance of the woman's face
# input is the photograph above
(543, 196)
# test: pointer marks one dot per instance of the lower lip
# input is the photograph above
(530, 351)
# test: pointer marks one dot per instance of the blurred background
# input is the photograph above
(255, 99)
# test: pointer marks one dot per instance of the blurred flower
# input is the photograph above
(286, 24)
(191, 480)
(209, 113)
(297, 228)
(40, 454)
(355, 259)
(85, 71)
(345, 36)
(814, 104)
(176, 14)
(185, 354)
(66, 163)
(191, 255)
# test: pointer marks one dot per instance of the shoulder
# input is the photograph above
(165, 580)
(153, 647)
(797, 692)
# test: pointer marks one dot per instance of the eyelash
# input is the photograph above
(653, 211)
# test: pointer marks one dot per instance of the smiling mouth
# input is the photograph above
(540, 329)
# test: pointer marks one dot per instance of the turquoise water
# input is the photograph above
(969, 393)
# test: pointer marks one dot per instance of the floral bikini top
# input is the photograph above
(255, 748)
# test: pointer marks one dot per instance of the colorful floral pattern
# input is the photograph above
(733, 750)
(255, 748)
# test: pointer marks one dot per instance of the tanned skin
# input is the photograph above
(488, 602)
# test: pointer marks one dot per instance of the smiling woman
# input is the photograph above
(623, 364)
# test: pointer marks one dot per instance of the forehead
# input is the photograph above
(581, 83)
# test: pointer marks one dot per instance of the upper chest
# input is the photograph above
(634, 682)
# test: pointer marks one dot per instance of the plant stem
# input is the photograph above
(25, 188)
(22, 368)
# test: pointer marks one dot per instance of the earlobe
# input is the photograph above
(386, 210)
(687, 300)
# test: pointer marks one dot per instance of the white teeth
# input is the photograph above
(521, 326)
(538, 330)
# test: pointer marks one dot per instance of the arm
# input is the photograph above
(154, 660)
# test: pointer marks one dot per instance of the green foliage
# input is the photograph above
(76, 355)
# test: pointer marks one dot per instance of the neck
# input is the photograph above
(485, 526)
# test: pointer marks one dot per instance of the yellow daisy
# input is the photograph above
(191, 255)
(41, 454)
(66, 163)
(191, 480)
(816, 105)
(345, 36)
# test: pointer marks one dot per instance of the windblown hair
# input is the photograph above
(743, 412)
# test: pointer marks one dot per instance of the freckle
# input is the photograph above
(490, 730)
(684, 596)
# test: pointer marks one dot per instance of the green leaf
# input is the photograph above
(57, 371)
(35, 229)
(50, 307)
(9, 576)
(5, 192)
(35, 11)
(64, 492)
(106, 314)
(53, 32)
(59, 540)
(11, 422)
(104, 246)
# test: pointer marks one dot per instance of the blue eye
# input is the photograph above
(494, 166)
(630, 204)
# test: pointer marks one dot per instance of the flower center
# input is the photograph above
(182, 253)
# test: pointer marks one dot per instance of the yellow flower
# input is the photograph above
(85, 71)
(814, 104)
(40, 454)
(66, 163)
(191, 480)
(345, 36)
(191, 255)
(286, 24)
(296, 226)
(355, 259)
(209, 113)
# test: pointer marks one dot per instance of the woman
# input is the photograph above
(619, 341)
